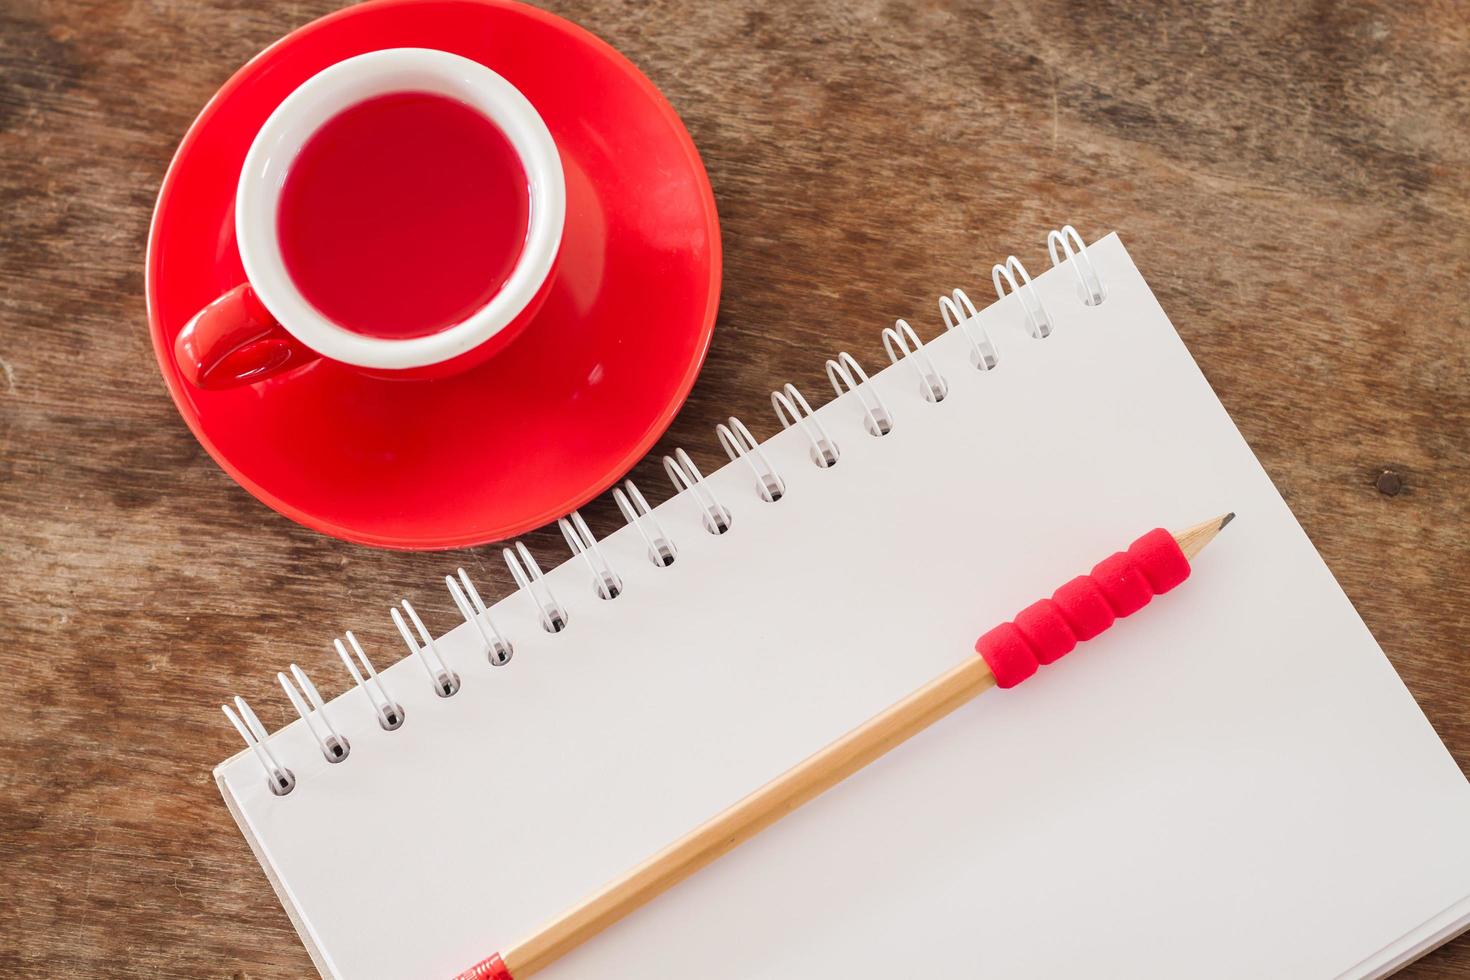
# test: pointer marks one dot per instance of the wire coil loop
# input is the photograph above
(686, 476)
(636, 512)
(580, 540)
(959, 314)
(846, 374)
(278, 777)
(792, 408)
(740, 444)
(1075, 250)
(389, 712)
(1012, 273)
(527, 573)
(333, 744)
(467, 599)
(445, 681)
(901, 338)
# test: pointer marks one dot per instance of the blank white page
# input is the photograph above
(1233, 782)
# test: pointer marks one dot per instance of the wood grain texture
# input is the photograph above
(1292, 178)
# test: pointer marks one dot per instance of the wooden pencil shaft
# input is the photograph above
(799, 784)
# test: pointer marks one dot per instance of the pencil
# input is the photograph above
(1039, 635)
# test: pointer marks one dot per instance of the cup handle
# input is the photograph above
(235, 341)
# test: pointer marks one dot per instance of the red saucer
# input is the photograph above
(545, 425)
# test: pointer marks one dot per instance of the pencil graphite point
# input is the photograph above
(1192, 540)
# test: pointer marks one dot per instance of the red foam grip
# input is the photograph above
(1119, 586)
(1123, 582)
(1010, 657)
(1085, 606)
(1160, 559)
(1047, 630)
(491, 969)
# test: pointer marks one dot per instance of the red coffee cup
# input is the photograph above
(265, 325)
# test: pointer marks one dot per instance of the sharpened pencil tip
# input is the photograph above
(1193, 540)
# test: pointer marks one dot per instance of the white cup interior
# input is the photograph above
(339, 87)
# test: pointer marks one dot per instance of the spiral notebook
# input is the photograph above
(1233, 784)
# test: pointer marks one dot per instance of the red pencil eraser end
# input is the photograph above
(491, 969)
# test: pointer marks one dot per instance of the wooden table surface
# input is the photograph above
(1291, 178)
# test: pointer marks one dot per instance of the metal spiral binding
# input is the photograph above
(902, 336)
(581, 541)
(841, 371)
(445, 681)
(786, 402)
(467, 598)
(901, 343)
(1070, 242)
(334, 746)
(959, 314)
(740, 444)
(1036, 319)
(527, 573)
(253, 732)
(389, 712)
(686, 476)
(636, 512)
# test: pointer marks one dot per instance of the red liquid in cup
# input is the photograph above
(403, 215)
